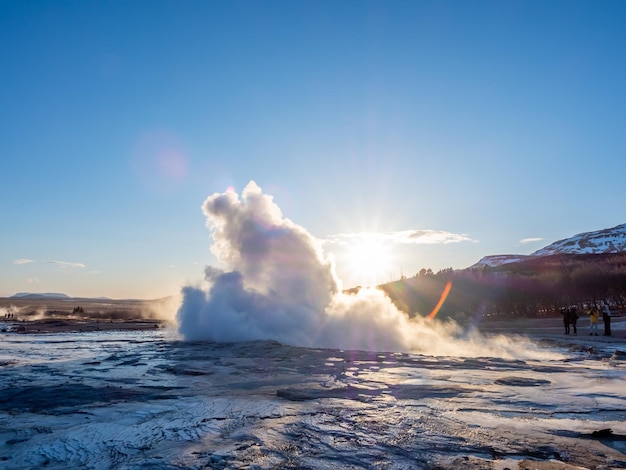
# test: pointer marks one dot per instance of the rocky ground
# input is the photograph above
(145, 399)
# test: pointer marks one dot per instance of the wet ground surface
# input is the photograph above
(142, 399)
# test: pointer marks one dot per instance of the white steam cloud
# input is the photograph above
(278, 284)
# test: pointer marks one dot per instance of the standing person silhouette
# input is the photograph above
(565, 313)
(573, 318)
(606, 317)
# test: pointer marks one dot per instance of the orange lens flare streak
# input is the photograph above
(442, 299)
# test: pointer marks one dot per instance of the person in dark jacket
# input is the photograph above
(565, 313)
(573, 318)
(606, 317)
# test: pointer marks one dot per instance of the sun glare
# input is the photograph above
(370, 262)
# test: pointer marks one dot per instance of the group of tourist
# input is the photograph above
(570, 318)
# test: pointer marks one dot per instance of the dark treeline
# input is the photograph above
(537, 286)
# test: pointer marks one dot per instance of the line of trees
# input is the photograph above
(533, 287)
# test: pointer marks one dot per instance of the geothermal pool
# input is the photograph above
(144, 399)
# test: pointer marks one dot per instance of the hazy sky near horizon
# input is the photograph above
(474, 128)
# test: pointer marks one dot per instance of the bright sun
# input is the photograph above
(370, 262)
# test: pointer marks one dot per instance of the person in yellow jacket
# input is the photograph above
(594, 317)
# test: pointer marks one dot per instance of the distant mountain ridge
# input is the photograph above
(610, 240)
(62, 296)
(46, 295)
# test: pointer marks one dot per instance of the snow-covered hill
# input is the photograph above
(610, 240)
(497, 260)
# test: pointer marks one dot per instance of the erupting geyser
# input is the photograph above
(278, 284)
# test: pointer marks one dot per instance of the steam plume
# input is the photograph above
(278, 284)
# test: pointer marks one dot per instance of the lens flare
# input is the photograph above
(442, 299)
(160, 160)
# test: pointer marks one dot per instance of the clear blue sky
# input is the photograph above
(491, 122)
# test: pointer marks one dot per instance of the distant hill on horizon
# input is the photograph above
(37, 296)
(62, 296)
(52, 296)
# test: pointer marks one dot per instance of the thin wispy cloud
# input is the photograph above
(61, 264)
(409, 237)
(530, 240)
(66, 264)
(435, 237)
